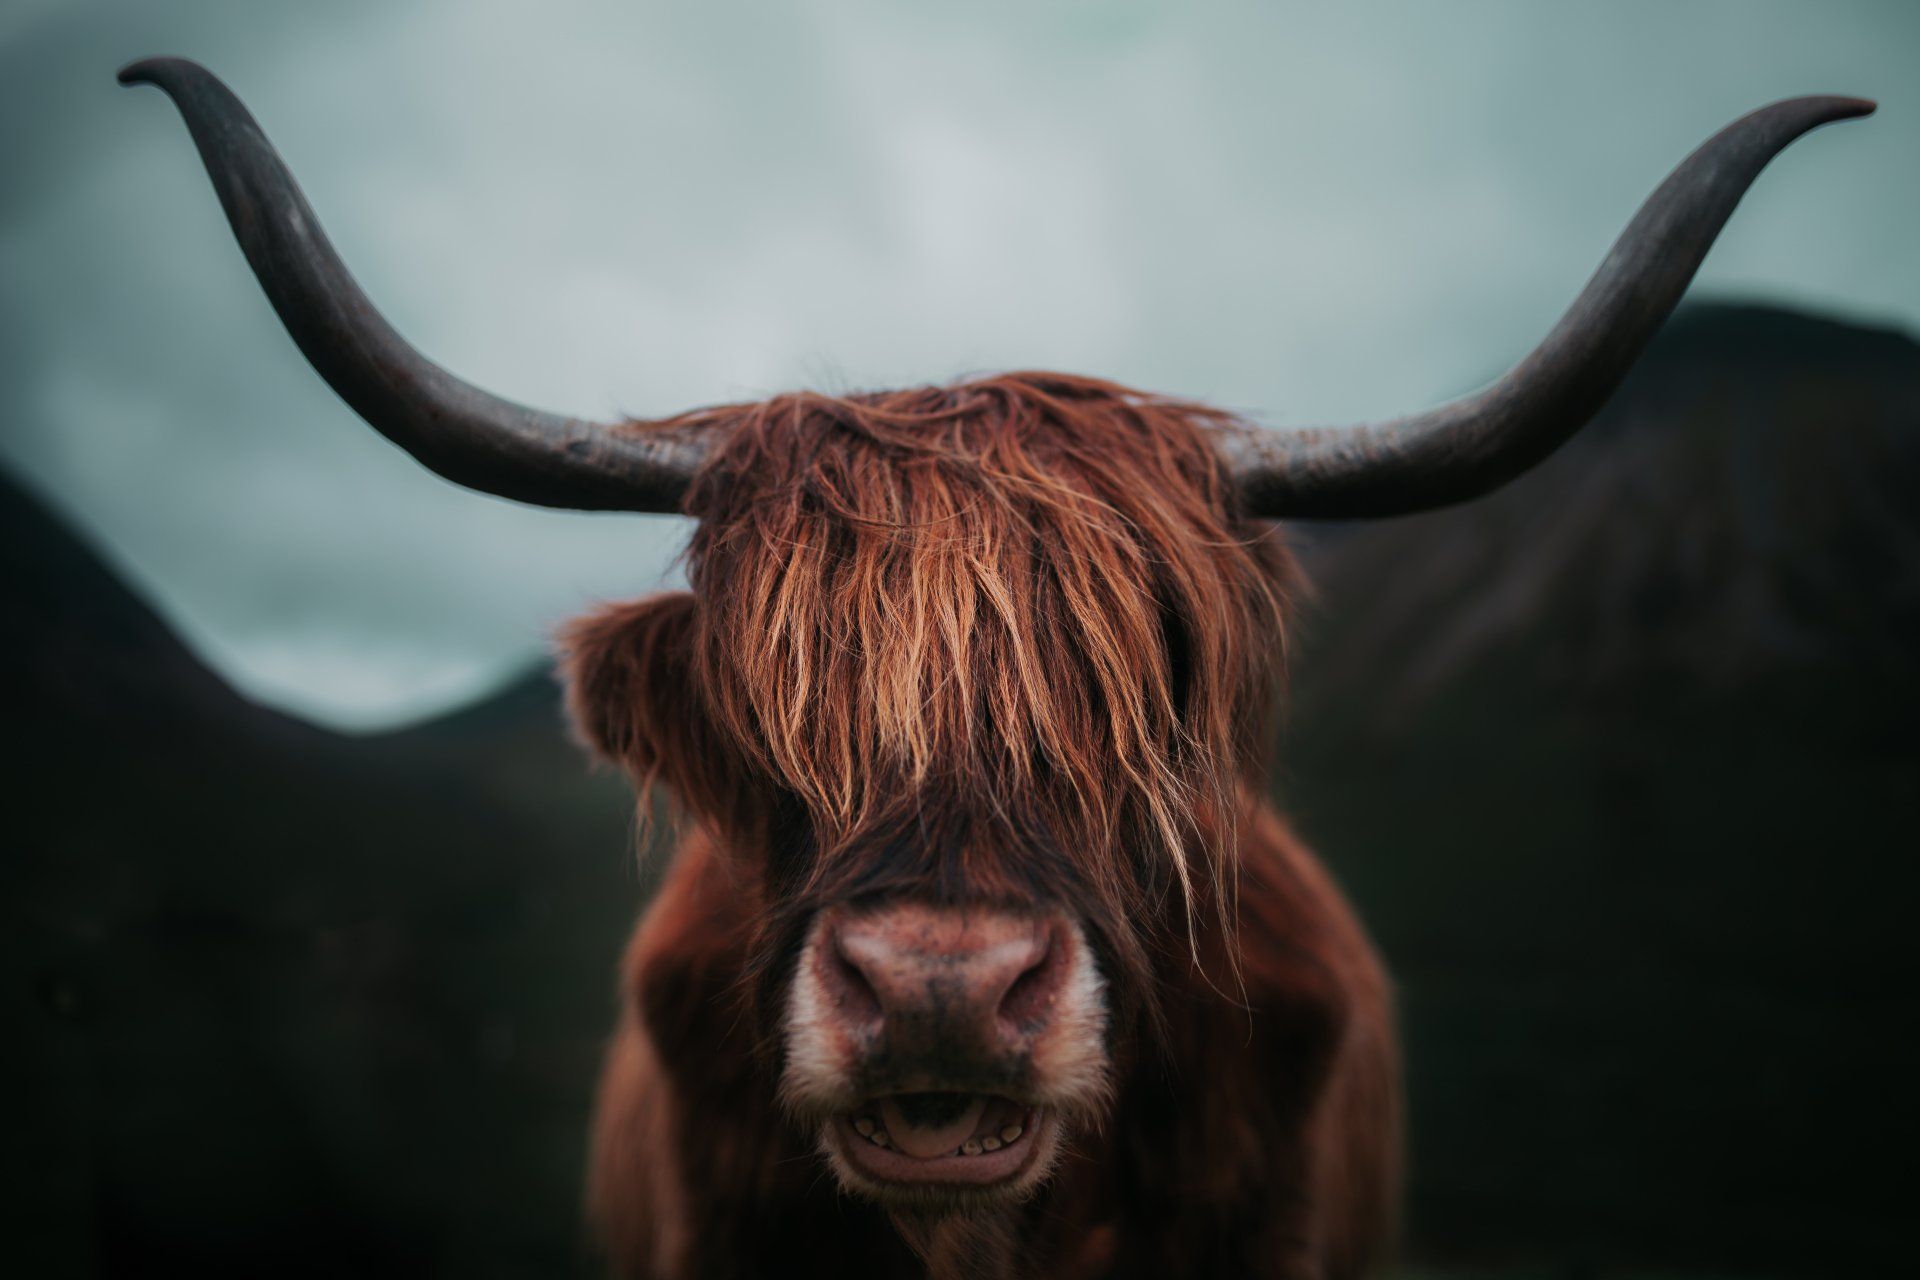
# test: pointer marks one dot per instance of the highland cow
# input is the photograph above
(982, 952)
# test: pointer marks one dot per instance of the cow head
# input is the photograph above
(1011, 655)
(971, 678)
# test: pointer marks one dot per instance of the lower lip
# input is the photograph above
(888, 1165)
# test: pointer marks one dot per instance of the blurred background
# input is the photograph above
(310, 912)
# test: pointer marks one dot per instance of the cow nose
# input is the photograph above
(988, 977)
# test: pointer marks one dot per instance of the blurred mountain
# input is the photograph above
(1618, 765)
(1621, 765)
(285, 1000)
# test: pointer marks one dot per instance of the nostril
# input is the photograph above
(853, 992)
(1028, 1000)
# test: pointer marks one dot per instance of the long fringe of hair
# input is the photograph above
(1022, 603)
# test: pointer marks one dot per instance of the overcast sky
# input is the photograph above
(1308, 212)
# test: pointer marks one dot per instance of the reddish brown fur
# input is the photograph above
(997, 642)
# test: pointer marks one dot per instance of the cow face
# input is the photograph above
(971, 679)
(937, 1036)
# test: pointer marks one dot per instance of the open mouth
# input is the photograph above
(965, 1139)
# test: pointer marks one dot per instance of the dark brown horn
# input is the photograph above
(1464, 449)
(453, 427)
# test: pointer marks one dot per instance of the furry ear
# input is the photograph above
(634, 700)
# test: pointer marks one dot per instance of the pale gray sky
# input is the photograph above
(1305, 211)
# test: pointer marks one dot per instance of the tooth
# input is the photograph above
(989, 1143)
(865, 1126)
(1011, 1133)
(878, 1137)
(969, 1148)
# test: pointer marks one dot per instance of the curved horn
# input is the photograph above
(453, 427)
(1472, 445)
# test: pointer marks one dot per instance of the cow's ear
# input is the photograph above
(634, 701)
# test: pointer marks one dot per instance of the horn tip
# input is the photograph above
(140, 71)
(155, 71)
(1827, 108)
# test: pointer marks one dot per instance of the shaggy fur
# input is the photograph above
(1001, 642)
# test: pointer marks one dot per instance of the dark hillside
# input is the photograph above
(283, 1000)
(1622, 767)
